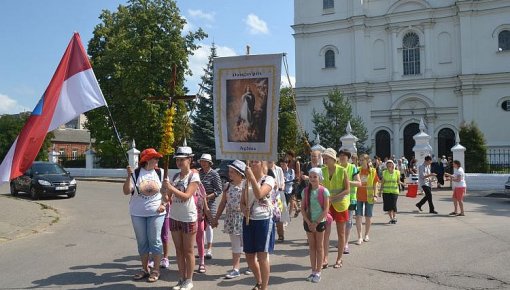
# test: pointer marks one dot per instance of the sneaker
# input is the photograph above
(419, 207)
(248, 272)
(165, 263)
(151, 264)
(234, 273)
(346, 250)
(188, 284)
(316, 278)
(358, 242)
(310, 277)
(179, 284)
(434, 212)
(366, 239)
(208, 255)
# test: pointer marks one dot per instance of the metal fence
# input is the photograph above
(499, 160)
(72, 161)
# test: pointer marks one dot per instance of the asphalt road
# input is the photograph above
(92, 246)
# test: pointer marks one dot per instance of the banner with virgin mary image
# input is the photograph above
(246, 101)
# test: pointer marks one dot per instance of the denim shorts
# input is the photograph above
(148, 233)
(258, 236)
(364, 209)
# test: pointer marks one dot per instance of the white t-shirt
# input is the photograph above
(261, 209)
(459, 173)
(148, 201)
(184, 210)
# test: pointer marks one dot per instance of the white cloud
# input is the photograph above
(256, 25)
(199, 14)
(285, 81)
(10, 106)
(198, 62)
(187, 27)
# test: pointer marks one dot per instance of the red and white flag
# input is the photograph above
(72, 91)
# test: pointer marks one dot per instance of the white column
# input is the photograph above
(458, 151)
(90, 156)
(395, 146)
(53, 156)
(349, 140)
(422, 147)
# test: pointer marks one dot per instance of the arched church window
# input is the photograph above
(411, 53)
(504, 40)
(329, 59)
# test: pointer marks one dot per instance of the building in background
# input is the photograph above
(71, 140)
(445, 61)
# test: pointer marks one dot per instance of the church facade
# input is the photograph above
(398, 61)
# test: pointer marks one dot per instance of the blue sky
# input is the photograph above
(34, 35)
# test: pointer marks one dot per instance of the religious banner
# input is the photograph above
(246, 101)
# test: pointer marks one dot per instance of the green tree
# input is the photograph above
(476, 149)
(133, 52)
(10, 127)
(202, 137)
(288, 134)
(332, 123)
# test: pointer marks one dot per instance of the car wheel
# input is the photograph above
(33, 193)
(14, 192)
(71, 195)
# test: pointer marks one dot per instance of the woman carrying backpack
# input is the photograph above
(147, 210)
(314, 207)
(183, 215)
(258, 224)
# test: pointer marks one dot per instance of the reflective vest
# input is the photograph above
(370, 183)
(353, 189)
(336, 185)
(390, 181)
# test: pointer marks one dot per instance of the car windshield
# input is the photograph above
(46, 168)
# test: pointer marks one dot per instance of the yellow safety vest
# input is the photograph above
(353, 189)
(335, 185)
(370, 183)
(390, 182)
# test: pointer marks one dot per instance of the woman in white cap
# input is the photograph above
(233, 226)
(183, 216)
(212, 184)
(258, 227)
(337, 182)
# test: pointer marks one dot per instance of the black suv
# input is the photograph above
(44, 179)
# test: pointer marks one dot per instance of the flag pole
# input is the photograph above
(121, 146)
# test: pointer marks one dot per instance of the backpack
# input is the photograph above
(199, 196)
(320, 196)
(137, 173)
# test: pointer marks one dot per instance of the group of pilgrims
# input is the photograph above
(256, 203)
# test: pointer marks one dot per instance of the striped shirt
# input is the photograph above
(212, 184)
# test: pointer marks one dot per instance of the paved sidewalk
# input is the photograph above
(20, 217)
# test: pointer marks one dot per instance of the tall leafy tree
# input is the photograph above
(10, 127)
(202, 137)
(332, 123)
(133, 52)
(288, 134)
(476, 149)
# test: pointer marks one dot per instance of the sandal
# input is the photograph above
(141, 275)
(257, 287)
(338, 264)
(325, 266)
(452, 213)
(201, 268)
(153, 277)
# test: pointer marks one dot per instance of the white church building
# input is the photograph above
(445, 61)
